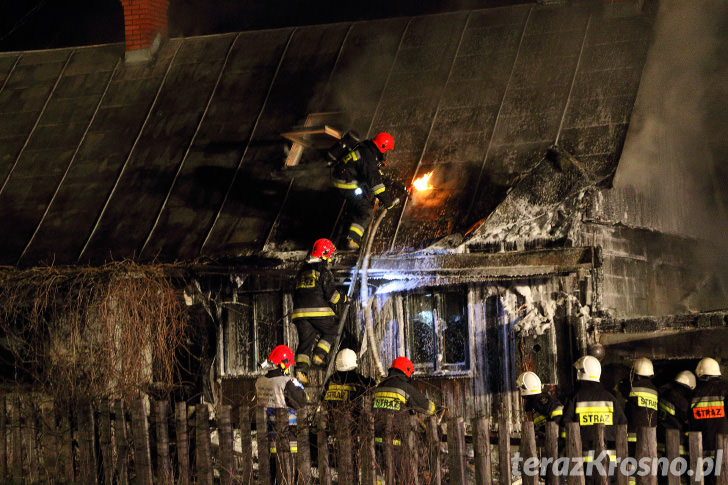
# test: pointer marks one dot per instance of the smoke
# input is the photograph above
(675, 153)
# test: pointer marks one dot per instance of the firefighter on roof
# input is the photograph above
(541, 405)
(358, 176)
(592, 404)
(708, 404)
(313, 314)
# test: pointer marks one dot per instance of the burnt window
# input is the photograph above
(254, 325)
(438, 330)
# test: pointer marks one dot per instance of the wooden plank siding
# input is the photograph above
(499, 346)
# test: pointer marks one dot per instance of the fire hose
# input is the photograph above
(362, 266)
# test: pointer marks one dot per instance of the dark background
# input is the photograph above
(47, 24)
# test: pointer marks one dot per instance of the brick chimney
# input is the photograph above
(145, 26)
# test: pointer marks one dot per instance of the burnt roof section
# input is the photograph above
(182, 158)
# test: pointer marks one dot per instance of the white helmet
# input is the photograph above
(588, 368)
(528, 383)
(686, 378)
(707, 367)
(346, 360)
(643, 367)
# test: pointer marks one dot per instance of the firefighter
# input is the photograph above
(641, 407)
(674, 406)
(396, 394)
(541, 405)
(358, 176)
(708, 404)
(342, 396)
(313, 314)
(592, 404)
(346, 385)
(277, 389)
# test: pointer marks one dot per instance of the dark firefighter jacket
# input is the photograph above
(592, 404)
(674, 406)
(544, 408)
(346, 387)
(315, 291)
(277, 390)
(708, 411)
(641, 407)
(397, 393)
(359, 168)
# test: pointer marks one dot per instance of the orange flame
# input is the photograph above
(423, 183)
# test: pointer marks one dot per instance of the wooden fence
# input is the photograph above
(148, 442)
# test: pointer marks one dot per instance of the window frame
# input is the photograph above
(230, 322)
(437, 367)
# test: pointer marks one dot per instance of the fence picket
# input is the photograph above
(552, 451)
(120, 440)
(672, 451)
(140, 436)
(261, 434)
(225, 447)
(303, 457)
(183, 443)
(86, 447)
(246, 445)
(284, 462)
(647, 450)
(105, 443)
(574, 450)
(368, 455)
(344, 452)
(721, 443)
(164, 464)
(481, 449)
(529, 452)
(203, 452)
(622, 453)
(504, 450)
(456, 450)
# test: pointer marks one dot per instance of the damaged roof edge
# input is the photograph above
(483, 265)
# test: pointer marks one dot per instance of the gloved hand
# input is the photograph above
(395, 203)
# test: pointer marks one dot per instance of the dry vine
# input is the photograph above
(80, 333)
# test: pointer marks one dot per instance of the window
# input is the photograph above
(254, 326)
(438, 330)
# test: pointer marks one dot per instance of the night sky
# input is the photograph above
(47, 24)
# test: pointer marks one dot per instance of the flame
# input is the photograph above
(423, 183)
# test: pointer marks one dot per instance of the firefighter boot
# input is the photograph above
(319, 357)
(302, 373)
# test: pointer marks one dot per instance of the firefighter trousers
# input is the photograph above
(359, 209)
(308, 329)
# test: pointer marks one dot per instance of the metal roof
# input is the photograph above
(182, 158)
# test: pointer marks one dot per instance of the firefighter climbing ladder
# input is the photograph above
(362, 264)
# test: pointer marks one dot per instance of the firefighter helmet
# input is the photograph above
(588, 368)
(346, 360)
(529, 383)
(384, 142)
(707, 367)
(403, 364)
(282, 356)
(686, 378)
(643, 367)
(324, 249)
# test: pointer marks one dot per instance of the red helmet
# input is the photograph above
(384, 142)
(324, 249)
(282, 356)
(403, 364)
